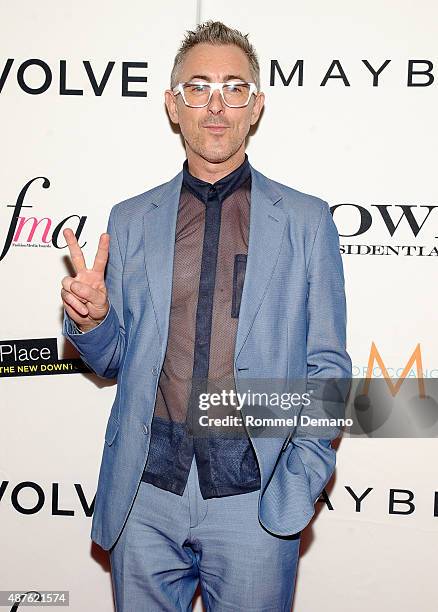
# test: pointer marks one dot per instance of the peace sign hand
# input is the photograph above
(85, 296)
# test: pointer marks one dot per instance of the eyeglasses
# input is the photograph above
(198, 94)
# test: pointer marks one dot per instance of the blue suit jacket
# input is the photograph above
(292, 325)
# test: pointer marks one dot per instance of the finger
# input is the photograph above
(88, 293)
(70, 300)
(101, 258)
(66, 285)
(66, 282)
(76, 255)
(72, 313)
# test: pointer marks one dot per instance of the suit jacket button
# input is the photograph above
(155, 370)
(145, 429)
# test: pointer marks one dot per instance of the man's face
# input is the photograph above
(215, 132)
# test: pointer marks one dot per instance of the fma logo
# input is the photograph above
(30, 231)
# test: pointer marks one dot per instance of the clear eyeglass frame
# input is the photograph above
(179, 89)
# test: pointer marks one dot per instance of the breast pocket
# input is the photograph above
(238, 279)
(112, 429)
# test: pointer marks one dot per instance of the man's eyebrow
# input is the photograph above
(233, 77)
(227, 77)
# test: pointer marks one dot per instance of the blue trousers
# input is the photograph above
(170, 543)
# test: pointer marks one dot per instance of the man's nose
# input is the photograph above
(216, 104)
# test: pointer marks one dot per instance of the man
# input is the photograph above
(219, 274)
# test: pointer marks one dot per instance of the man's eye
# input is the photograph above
(198, 87)
(234, 88)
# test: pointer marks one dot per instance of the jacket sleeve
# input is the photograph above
(102, 347)
(328, 363)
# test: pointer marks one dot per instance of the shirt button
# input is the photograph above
(155, 370)
(145, 429)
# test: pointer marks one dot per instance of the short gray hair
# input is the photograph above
(216, 33)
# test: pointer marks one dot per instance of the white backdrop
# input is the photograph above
(353, 144)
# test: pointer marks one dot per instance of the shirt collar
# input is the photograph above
(223, 188)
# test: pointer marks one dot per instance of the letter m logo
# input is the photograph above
(395, 387)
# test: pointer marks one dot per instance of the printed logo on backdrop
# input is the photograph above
(419, 73)
(35, 357)
(377, 367)
(35, 77)
(36, 230)
(28, 498)
(408, 230)
(394, 402)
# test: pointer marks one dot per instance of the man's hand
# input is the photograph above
(85, 296)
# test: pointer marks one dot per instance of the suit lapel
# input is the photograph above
(266, 229)
(159, 227)
(267, 224)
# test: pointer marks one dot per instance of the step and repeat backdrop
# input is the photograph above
(350, 116)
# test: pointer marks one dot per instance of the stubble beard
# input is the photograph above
(210, 154)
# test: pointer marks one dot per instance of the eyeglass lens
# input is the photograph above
(234, 94)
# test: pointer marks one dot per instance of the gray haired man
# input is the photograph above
(220, 273)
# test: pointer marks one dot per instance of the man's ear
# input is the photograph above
(257, 108)
(171, 105)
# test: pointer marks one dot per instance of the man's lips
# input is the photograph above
(216, 128)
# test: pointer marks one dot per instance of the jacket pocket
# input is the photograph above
(238, 279)
(111, 430)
